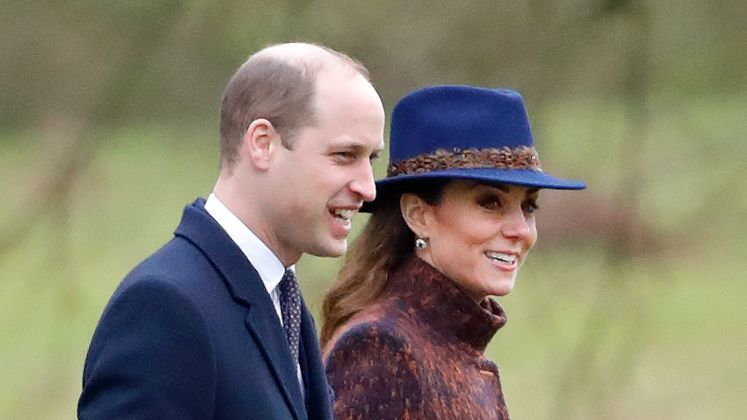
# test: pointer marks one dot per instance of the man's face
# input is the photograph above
(321, 182)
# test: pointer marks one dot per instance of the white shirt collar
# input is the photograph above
(268, 265)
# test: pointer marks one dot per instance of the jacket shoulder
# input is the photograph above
(381, 333)
(373, 373)
(151, 334)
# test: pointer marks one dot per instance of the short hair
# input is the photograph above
(277, 87)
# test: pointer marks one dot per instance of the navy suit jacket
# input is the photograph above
(191, 333)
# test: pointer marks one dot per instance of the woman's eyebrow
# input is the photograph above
(532, 191)
(500, 187)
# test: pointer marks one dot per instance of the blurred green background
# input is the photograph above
(630, 305)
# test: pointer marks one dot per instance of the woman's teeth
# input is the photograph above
(345, 214)
(499, 256)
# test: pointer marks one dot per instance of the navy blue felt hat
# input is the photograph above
(464, 132)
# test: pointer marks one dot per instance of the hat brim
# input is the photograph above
(522, 177)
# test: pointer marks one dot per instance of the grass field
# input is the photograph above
(592, 334)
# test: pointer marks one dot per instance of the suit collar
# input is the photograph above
(264, 261)
(246, 288)
(199, 228)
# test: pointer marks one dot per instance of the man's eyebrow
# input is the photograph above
(356, 146)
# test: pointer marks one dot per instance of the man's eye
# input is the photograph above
(343, 155)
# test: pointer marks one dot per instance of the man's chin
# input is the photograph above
(333, 249)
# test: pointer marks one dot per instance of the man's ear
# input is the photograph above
(416, 212)
(258, 142)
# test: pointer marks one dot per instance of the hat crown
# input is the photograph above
(458, 117)
(462, 132)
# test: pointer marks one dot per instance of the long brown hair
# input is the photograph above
(385, 242)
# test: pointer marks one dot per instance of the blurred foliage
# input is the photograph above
(630, 305)
(172, 58)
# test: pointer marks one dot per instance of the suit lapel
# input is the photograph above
(318, 392)
(271, 340)
(244, 284)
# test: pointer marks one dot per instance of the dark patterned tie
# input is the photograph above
(290, 308)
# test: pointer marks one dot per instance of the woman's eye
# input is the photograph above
(491, 203)
(530, 207)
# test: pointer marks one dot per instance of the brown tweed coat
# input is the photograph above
(418, 353)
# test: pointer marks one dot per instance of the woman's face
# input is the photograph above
(479, 235)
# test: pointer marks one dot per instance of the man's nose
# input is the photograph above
(364, 184)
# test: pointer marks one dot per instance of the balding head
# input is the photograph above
(277, 83)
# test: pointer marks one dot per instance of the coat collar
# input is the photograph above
(423, 292)
(246, 288)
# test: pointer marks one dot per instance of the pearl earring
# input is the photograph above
(420, 243)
